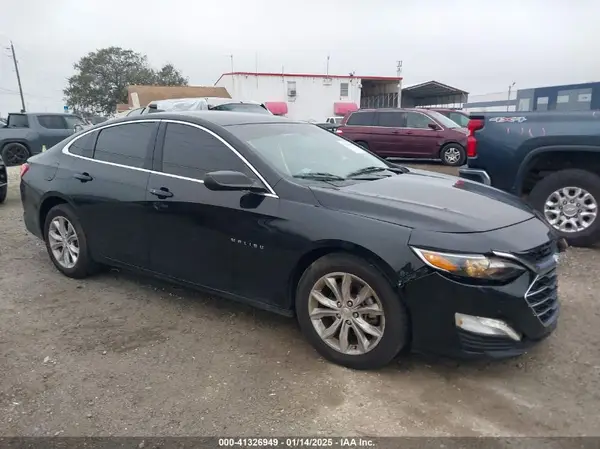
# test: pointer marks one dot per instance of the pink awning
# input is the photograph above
(277, 107)
(344, 108)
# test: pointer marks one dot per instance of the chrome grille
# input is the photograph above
(538, 253)
(542, 296)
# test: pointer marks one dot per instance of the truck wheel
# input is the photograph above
(453, 154)
(569, 201)
(14, 154)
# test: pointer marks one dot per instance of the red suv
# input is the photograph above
(406, 133)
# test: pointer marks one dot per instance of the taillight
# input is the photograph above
(473, 125)
(24, 169)
(338, 131)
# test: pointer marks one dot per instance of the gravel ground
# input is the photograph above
(118, 354)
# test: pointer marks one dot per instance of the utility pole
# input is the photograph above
(509, 91)
(327, 69)
(12, 49)
(399, 74)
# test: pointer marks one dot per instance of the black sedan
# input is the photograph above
(371, 258)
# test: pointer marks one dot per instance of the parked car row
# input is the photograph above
(407, 133)
(289, 217)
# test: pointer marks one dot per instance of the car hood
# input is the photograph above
(429, 201)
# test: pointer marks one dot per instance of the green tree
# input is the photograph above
(102, 77)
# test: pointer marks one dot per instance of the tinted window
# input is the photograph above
(361, 119)
(18, 121)
(191, 152)
(84, 146)
(52, 121)
(391, 119)
(125, 144)
(417, 120)
(73, 120)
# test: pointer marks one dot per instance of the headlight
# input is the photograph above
(470, 265)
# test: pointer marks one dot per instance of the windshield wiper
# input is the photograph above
(320, 175)
(373, 169)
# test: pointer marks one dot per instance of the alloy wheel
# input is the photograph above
(452, 155)
(346, 313)
(14, 154)
(64, 242)
(570, 209)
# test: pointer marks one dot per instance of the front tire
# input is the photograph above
(15, 154)
(350, 313)
(569, 201)
(66, 243)
(453, 154)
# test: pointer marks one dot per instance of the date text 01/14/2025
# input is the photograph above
(295, 442)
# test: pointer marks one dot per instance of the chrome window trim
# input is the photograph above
(65, 150)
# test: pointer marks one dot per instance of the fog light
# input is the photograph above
(485, 326)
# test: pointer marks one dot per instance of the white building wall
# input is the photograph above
(489, 97)
(314, 98)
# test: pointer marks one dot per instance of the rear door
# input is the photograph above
(212, 239)
(423, 140)
(53, 128)
(107, 175)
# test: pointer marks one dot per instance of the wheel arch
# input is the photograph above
(524, 181)
(20, 140)
(326, 247)
(50, 200)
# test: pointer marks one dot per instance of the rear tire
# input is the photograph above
(386, 329)
(66, 243)
(549, 195)
(15, 154)
(362, 144)
(453, 154)
(3, 191)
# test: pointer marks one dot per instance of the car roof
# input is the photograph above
(221, 118)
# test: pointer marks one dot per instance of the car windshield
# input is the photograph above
(461, 119)
(303, 150)
(443, 119)
(241, 107)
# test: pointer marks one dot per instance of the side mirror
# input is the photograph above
(77, 128)
(225, 180)
(434, 126)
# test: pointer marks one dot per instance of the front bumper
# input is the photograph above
(529, 305)
(475, 174)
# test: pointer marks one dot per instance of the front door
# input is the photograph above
(422, 138)
(53, 129)
(109, 181)
(198, 234)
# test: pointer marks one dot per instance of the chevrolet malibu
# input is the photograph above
(370, 257)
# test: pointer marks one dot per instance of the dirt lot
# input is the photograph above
(122, 355)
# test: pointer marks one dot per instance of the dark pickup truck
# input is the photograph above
(551, 159)
(27, 134)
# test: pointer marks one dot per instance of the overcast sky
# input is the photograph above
(478, 46)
